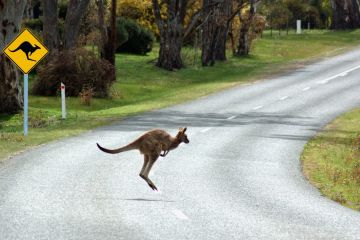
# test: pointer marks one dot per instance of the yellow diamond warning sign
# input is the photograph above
(26, 51)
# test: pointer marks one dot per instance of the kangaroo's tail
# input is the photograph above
(118, 150)
(15, 49)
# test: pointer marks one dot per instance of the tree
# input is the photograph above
(102, 27)
(11, 13)
(245, 24)
(346, 14)
(214, 30)
(110, 45)
(171, 29)
(75, 11)
(50, 24)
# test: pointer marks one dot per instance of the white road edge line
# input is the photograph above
(206, 129)
(342, 74)
(284, 97)
(179, 214)
(258, 107)
(230, 118)
(306, 89)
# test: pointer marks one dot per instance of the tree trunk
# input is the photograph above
(170, 47)
(110, 44)
(75, 12)
(171, 33)
(244, 39)
(28, 13)
(50, 25)
(215, 30)
(224, 26)
(102, 28)
(346, 14)
(11, 13)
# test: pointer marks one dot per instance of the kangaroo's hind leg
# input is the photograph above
(146, 160)
(145, 175)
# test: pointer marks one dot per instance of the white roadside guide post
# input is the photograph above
(298, 26)
(63, 106)
(26, 51)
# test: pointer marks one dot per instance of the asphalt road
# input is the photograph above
(239, 178)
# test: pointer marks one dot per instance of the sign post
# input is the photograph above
(26, 103)
(26, 51)
(63, 106)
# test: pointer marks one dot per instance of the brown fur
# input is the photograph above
(152, 144)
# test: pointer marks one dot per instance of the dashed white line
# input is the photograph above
(258, 107)
(342, 74)
(206, 129)
(230, 118)
(284, 97)
(323, 82)
(306, 89)
(179, 214)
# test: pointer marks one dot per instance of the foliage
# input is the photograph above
(77, 69)
(135, 39)
(35, 24)
(139, 10)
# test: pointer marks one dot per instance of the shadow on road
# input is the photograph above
(175, 119)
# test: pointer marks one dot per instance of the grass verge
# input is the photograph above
(142, 87)
(331, 160)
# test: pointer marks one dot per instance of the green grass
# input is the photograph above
(331, 160)
(142, 87)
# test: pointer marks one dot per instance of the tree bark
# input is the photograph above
(244, 40)
(11, 13)
(50, 25)
(215, 30)
(110, 44)
(28, 13)
(75, 12)
(102, 27)
(171, 33)
(346, 14)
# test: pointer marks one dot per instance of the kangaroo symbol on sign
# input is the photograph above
(27, 48)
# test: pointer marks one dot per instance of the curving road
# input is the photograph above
(239, 178)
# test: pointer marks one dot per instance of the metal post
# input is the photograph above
(26, 103)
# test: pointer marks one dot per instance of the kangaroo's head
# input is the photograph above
(181, 136)
(36, 47)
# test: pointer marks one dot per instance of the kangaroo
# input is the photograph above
(152, 144)
(27, 48)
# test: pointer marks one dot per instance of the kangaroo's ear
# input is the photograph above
(184, 129)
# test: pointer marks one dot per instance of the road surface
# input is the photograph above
(239, 178)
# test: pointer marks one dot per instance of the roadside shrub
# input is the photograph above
(139, 39)
(77, 69)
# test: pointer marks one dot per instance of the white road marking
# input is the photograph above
(206, 129)
(342, 74)
(179, 214)
(306, 89)
(258, 107)
(323, 82)
(284, 97)
(230, 118)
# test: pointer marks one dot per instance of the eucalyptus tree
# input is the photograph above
(346, 14)
(11, 14)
